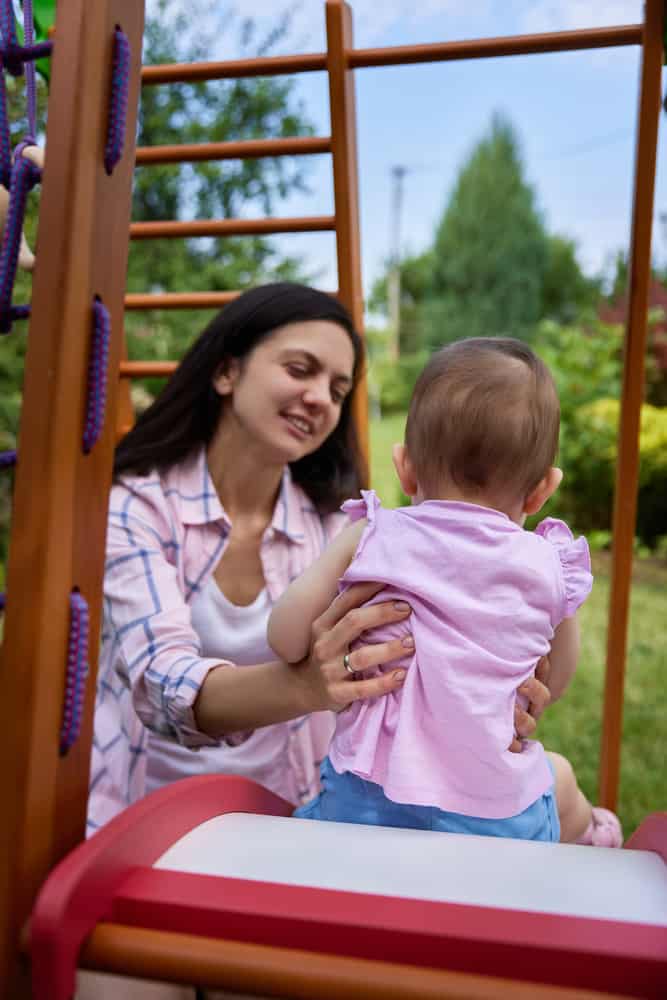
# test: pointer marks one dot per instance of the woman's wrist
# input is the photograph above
(234, 699)
(306, 688)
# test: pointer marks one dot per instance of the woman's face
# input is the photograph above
(288, 392)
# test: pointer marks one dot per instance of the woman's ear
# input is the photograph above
(404, 470)
(225, 376)
(546, 487)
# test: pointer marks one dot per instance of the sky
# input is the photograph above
(575, 114)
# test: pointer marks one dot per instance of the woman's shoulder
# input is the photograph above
(183, 493)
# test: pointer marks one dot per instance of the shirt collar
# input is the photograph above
(200, 504)
(191, 482)
(291, 510)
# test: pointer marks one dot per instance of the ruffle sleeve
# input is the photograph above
(366, 507)
(575, 561)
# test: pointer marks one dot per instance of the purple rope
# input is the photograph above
(19, 312)
(10, 42)
(120, 81)
(30, 81)
(14, 55)
(77, 671)
(5, 139)
(3, 602)
(24, 176)
(25, 53)
(7, 459)
(97, 375)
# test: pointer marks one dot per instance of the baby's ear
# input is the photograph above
(404, 470)
(546, 487)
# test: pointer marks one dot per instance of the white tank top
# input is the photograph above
(237, 634)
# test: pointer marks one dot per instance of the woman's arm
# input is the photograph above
(563, 656)
(232, 700)
(292, 617)
(197, 700)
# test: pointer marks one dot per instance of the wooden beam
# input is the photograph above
(61, 495)
(346, 189)
(627, 466)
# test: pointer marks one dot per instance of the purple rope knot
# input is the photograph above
(10, 46)
(7, 459)
(97, 375)
(120, 82)
(24, 177)
(76, 673)
(12, 59)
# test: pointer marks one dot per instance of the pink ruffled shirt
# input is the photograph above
(165, 536)
(486, 597)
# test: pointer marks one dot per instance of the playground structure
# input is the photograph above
(169, 924)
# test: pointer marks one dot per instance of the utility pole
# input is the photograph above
(394, 278)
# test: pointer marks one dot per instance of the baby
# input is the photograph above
(488, 599)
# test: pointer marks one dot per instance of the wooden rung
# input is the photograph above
(242, 150)
(146, 369)
(184, 300)
(230, 227)
(233, 69)
(483, 48)
(180, 300)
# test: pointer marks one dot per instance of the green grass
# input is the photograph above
(572, 726)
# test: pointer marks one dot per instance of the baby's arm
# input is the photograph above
(289, 630)
(563, 656)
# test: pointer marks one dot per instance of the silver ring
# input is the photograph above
(346, 664)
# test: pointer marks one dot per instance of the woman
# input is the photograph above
(226, 489)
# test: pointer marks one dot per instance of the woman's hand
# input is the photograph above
(329, 683)
(536, 691)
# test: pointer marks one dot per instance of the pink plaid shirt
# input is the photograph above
(166, 534)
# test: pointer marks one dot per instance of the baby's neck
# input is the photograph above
(451, 492)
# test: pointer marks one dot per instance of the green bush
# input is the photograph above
(586, 363)
(395, 379)
(588, 456)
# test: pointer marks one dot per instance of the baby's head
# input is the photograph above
(483, 426)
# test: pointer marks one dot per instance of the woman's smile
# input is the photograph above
(302, 427)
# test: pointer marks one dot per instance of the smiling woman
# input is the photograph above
(226, 489)
(286, 399)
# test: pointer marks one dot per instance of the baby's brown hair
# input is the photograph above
(484, 416)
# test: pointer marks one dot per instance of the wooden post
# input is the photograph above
(627, 468)
(61, 495)
(346, 187)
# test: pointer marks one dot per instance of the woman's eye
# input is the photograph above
(337, 395)
(298, 371)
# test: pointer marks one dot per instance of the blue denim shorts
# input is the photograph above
(345, 798)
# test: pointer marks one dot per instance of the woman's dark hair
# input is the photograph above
(186, 413)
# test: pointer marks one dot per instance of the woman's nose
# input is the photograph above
(317, 393)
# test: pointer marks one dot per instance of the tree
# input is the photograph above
(493, 268)
(490, 250)
(416, 278)
(567, 293)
